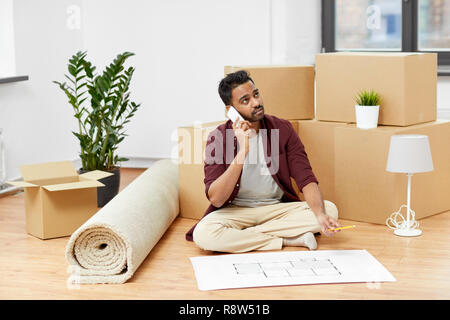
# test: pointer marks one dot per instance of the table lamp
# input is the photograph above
(408, 153)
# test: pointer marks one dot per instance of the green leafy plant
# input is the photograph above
(368, 98)
(102, 106)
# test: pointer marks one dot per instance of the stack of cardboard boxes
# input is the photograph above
(363, 189)
(349, 162)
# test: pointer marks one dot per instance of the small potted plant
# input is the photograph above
(102, 106)
(367, 109)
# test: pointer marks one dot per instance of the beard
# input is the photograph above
(256, 117)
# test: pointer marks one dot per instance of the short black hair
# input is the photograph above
(231, 81)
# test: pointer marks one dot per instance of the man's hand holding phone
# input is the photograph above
(242, 129)
(242, 133)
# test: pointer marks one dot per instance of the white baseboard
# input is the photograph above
(139, 162)
(6, 188)
(77, 163)
(133, 162)
(443, 113)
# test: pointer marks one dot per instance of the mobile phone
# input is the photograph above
(234, 116)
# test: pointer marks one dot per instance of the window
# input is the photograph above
(387, 25)
(434, 25)
(368, 25)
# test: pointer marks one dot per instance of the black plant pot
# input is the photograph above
(111, 188)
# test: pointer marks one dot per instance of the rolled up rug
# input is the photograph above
(111, 245)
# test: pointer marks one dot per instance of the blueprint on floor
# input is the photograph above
(287, 268)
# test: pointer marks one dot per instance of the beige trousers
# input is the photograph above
(241, 229)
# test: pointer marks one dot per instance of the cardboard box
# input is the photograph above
(318, 139)
(287, 91)
(366, 192)
(58, 200)
(191, 151)
(406, 82)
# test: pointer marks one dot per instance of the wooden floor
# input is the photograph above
(35, 269)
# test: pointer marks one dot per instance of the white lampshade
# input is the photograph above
(409, 153)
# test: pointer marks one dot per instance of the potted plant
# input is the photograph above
(102, 106)
(367, 109)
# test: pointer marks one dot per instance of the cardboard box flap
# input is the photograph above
(48, 170)
(74, 185)
(23, 184)
(96, 175)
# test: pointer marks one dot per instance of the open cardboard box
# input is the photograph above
(57, 199)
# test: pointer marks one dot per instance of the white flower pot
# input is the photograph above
(367, 116)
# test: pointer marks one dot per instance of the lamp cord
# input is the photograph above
(397, 221)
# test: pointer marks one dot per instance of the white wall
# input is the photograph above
(296, 31)
(443, 97)
(7, 55)
(35, 116)
(181, 48)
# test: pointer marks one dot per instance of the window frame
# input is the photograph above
(409, 31)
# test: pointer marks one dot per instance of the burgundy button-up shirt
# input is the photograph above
(284, 154)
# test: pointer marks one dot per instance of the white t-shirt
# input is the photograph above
(258, 188)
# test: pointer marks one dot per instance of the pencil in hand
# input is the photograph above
(342, 228)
